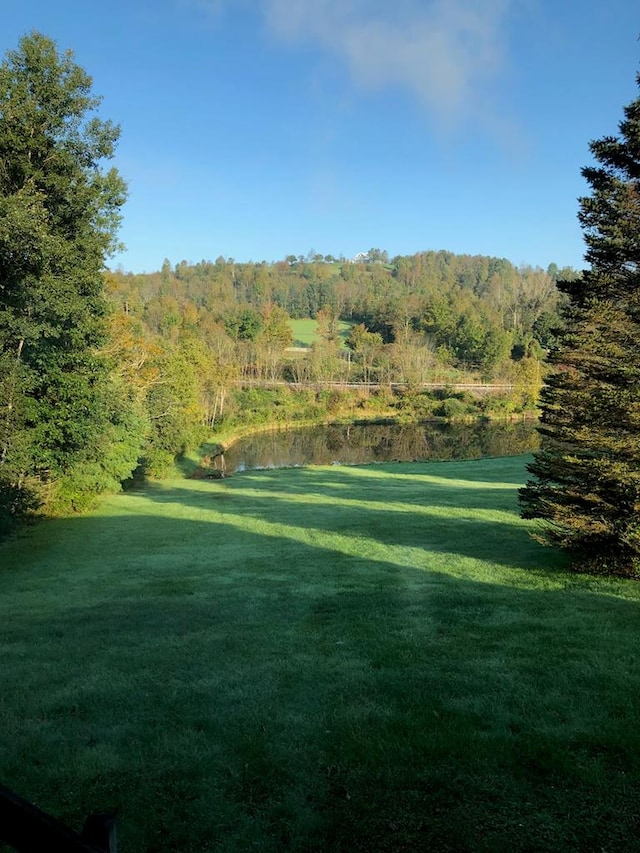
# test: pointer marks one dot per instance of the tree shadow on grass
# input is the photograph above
(232, 689)
(466, 481)
(421, 512)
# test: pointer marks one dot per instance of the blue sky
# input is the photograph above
(255, 129)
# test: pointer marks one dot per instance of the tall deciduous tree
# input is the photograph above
(61, 415)
(586, 485)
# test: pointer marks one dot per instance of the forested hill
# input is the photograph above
(186, 339)
(475, 310)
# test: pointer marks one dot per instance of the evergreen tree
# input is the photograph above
(586, 485)
(60, 414)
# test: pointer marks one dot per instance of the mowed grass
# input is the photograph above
(305, 331)
(321, 659)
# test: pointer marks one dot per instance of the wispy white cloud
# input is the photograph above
(445, 52)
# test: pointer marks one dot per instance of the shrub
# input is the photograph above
(453, 408)
(18, 503)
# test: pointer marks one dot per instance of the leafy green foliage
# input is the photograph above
(244, 324)
(587, 473)
(18, 502)
(59, 211)
(173, 409)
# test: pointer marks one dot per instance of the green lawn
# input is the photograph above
(305, 331)
(322, 659)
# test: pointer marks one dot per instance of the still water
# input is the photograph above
(365, 443)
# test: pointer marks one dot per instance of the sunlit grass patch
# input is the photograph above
(305, 331)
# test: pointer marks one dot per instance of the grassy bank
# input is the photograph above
(321, 659)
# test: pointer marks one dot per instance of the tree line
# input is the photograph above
(473, 311)
(420, 318)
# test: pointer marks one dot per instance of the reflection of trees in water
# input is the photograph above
(361, 444)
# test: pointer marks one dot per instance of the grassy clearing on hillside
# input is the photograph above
(321, 659)
(305, 331)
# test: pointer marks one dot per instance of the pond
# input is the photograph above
(360, 444)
